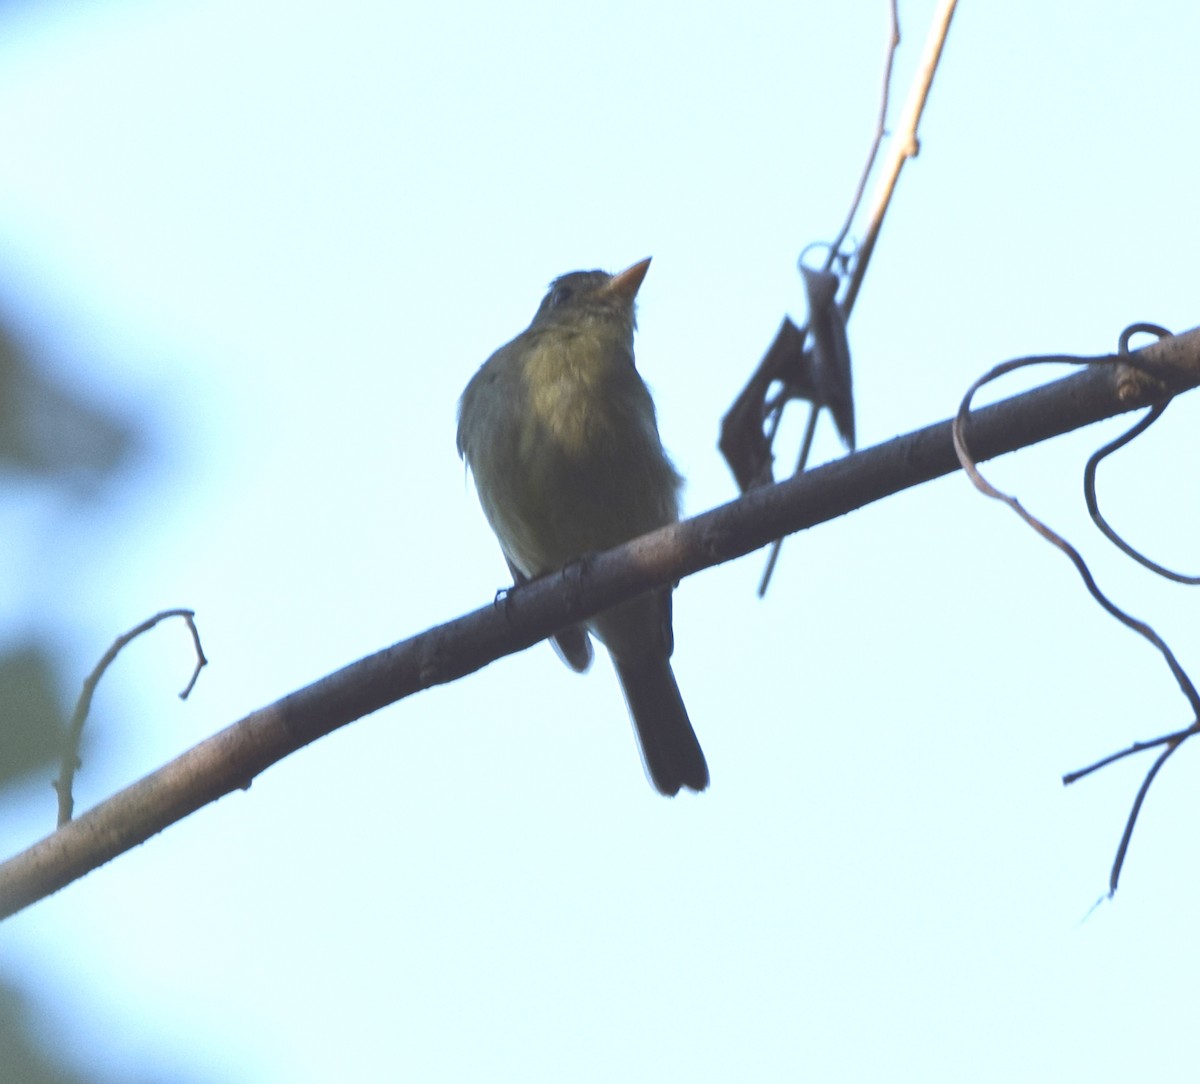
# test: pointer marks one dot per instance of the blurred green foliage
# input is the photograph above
(31, 716)
(25, 1058)
(56, 443)
(51, 433)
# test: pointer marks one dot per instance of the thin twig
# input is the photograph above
(1114, 876)
(1136, 747)
(984, 486)
(1171, 741)
(904, 146)
(201, 662)
(775, 412)
(1093, 503)
(1089, 472)
(810, 431)
(70, 760)
(885, 98)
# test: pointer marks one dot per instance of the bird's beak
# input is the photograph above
(626, 284)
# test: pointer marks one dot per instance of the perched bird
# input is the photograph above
(561, 437)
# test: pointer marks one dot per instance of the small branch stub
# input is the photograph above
(70, 760)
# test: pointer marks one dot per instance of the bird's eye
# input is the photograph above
(559, 295)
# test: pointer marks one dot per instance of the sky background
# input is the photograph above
(281, 238)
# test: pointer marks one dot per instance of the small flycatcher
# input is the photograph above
(560, 434)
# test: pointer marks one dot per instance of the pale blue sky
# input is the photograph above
(284, 237)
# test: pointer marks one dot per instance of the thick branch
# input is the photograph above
(232, 758)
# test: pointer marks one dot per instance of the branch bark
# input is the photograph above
(231, 758)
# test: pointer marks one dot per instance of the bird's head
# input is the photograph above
(593, 297)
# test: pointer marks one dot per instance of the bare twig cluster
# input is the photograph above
(812, 363)
(63, 785)
(1169, 742)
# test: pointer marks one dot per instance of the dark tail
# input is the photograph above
(670, 749)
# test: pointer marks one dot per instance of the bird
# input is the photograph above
(560, 434)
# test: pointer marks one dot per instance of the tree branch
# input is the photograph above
(230, 759)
